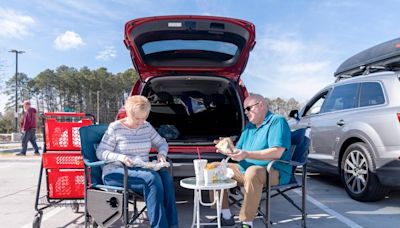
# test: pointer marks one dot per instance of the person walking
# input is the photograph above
(28, 128)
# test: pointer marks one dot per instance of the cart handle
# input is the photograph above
(74, 114)
(65, 114)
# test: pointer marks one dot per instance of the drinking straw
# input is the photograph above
(198, 152)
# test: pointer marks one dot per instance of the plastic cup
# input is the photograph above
(199, 165)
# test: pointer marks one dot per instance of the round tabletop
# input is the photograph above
(190, 183)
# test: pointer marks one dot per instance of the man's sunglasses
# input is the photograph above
(248, 108)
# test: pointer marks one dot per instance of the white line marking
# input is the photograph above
(5, 166)
(325, 208)
(45, 216)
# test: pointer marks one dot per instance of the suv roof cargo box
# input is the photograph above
(384, 56)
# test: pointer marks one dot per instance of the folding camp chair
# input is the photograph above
(300, 143)
(103, 203)
(299, 149)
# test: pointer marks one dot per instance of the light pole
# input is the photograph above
(16, 86)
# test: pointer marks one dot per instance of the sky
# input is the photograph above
(300, 43)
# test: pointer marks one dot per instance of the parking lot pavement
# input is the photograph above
(328, 205)
(15, 147)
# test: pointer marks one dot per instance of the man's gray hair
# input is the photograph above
(259, 98)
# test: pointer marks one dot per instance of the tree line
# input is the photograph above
(69, 89)
(84, 90)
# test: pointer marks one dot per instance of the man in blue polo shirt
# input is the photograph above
(266, 137)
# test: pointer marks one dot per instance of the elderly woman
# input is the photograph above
(129, 140)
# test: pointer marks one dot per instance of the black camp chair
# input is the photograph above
(103, 203)
(300, 143)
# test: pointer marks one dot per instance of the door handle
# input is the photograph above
(340, 123)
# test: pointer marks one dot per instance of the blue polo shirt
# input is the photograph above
(273, 132)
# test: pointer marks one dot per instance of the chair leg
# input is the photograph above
(303, 196)
(267, 202)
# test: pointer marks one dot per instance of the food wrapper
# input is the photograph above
(153, 165)
(225, 145)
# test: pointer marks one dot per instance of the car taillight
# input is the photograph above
(398, 116)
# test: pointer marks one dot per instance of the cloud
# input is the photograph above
(14, 24)
(68, 40)
(108, 53)
(283, 65)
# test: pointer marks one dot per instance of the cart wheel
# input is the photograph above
(75, 207)
(36, 221)
(92, 223)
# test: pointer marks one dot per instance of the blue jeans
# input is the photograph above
(158, 191)
(29, 136)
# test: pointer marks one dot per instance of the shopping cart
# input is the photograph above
(62, 162)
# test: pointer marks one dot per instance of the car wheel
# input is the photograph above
(357, 176)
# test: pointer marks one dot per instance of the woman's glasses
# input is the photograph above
(248, 108)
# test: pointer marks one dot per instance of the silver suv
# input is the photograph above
(355, 123)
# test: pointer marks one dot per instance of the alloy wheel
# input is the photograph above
(356, 171)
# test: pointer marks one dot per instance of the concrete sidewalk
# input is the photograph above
(15, 147)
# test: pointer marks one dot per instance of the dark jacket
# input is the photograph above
(29, 119)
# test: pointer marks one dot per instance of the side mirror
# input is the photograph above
(294, 114)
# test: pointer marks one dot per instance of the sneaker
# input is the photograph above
(245, 225)
(20, 154)
(37, 154)
(227, 222)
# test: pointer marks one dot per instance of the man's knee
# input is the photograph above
(256, 173)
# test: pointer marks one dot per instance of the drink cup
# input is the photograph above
(199, 165)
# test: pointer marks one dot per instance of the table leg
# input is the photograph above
(198, 208)
(195, 210)
(218, 205)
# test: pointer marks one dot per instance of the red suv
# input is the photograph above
(189, 68)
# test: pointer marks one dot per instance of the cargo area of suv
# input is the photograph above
(194, 110)
(189, 68)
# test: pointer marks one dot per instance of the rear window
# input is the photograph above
(186, 45)
(190, 53)
(371, 94)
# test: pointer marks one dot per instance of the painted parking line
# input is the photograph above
(330, 211)
(46, 216)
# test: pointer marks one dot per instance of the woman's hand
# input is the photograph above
(161, 158)
(127, 161)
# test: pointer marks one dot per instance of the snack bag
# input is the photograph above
(214, 174)
(210, 175)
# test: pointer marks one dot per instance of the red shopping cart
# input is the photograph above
(61, 162)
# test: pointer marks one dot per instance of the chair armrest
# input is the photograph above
(292, 163)
(93, 164)
(99, 163)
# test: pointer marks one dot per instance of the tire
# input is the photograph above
(358, 178)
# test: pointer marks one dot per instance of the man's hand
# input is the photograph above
(216, 141)
(161, 158)
(238, 155)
